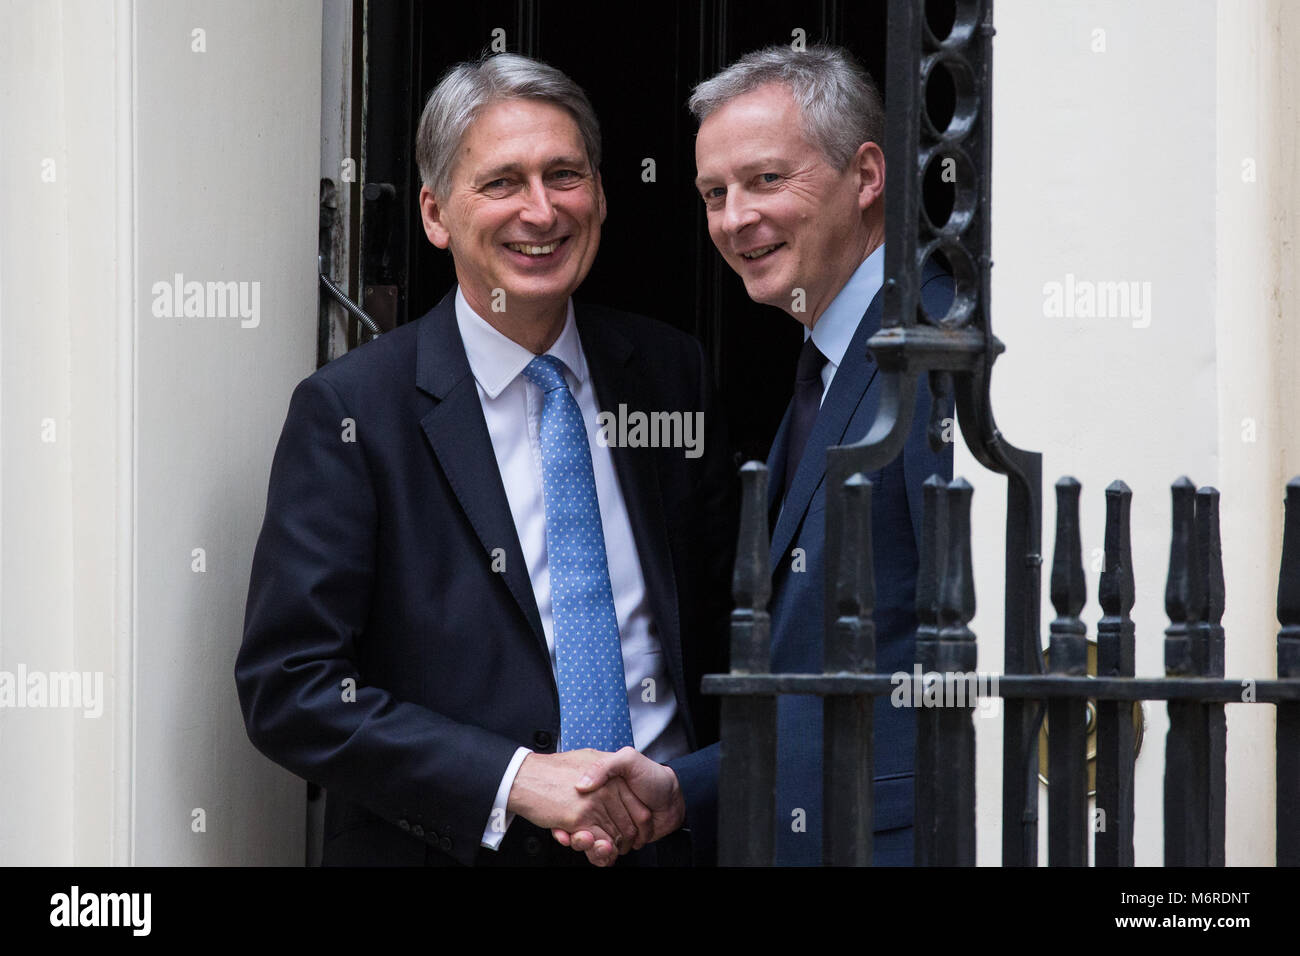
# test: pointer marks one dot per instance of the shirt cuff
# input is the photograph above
(499, 820)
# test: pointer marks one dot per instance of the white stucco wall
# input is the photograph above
(1119, 135)
(170, 159)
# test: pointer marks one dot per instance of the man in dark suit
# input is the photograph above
(467, 587)
(793, 178)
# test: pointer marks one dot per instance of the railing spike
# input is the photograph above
(1067, 745)
(952, 841)
(855, 584)
(747, 763)
(1209, 555)
(1188, 781)
(1208, 655)
(930, 561)
(1288, 578)
(1117, 592)
(1116, 734)
(751, 582)
(929, 575)
(1069, 590)
(1180, 587)
(957, 589)
(846, 718)
(1288, 666)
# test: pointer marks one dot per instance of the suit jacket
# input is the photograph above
(383, 657)
(797, 605)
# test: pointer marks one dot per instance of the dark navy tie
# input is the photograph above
(588, 653)
(807, 400)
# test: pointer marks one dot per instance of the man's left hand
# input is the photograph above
(653, 784)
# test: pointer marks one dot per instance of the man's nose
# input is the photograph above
(537, 209)
(737, 212)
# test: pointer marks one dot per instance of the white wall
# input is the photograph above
(169, 160)
(50, 515)
(1256, 302)
(1117, 157)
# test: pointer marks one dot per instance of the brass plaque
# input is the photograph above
(1139, 724)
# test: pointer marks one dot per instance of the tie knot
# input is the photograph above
(547, 373)
(811, 361)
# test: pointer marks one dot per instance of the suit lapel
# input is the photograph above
(458, 433)
(776, 467)
(618, 380)
(850, 384)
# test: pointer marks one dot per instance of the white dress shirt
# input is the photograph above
(512, 408)
(835, 328)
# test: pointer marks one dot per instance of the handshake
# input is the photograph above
(601, 804)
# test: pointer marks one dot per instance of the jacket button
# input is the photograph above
(542, 738)
(404, 824)
(417, 830)
(445, 844)
(532, 846)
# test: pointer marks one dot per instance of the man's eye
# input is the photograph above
(717, 192)
(770, 177)
(497, 184)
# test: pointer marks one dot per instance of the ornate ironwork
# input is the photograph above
(956, 350)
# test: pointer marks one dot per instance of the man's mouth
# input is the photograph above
(533, 249)
(761, 251)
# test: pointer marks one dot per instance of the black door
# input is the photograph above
(638, 64)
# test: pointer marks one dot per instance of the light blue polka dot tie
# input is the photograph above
(588, 654)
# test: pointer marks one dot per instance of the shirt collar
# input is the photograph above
(496, 360)
(834, 328)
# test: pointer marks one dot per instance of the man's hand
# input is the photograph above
(653, 785)
(611, 818)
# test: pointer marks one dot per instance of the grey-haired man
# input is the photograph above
(792, 177)
(451, 616)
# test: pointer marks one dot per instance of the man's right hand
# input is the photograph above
(654, 785)
(545, 792)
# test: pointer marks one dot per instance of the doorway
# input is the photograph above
(638, 66)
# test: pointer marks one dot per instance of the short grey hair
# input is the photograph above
(839, 103)
(467, 88)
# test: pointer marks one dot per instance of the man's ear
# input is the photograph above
(600, 197)
(431, 216)
(869, 165)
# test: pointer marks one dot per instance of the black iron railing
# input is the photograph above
(1194, 687)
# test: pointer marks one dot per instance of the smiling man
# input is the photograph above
(792, 177)
(460, 598)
